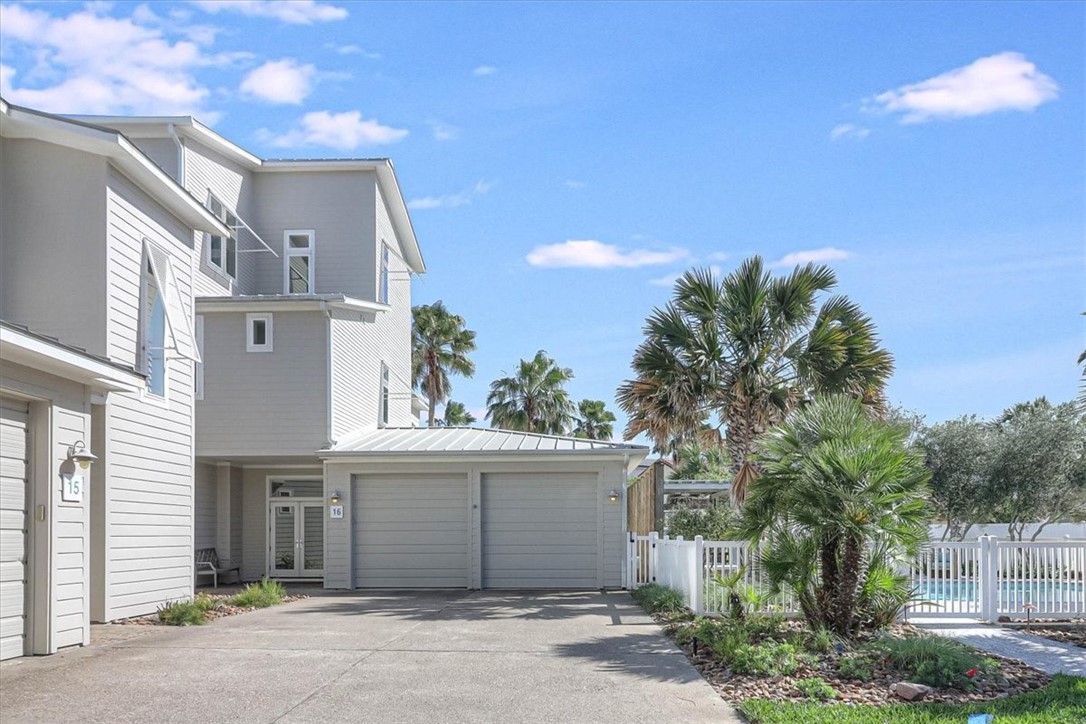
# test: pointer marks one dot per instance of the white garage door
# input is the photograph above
(539, 530)
(13, 418)
(411, 531)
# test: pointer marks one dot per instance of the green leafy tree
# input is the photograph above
(594, 421)
(959, 454)
(533, 399)
(440, 345)
(1038, 470)
(717, 521)
(748, 349)
(456, 415)
(838, 486)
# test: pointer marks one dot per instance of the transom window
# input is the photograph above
(258, 334)
(298, 262)
(223, 250)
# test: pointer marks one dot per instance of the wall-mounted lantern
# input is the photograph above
(71, 472)
(79, 454)
(335, 498)
(613, 496)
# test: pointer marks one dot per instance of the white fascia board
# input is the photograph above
(30, 351)
(286, 303)
(359, 305)
(76, 134)
(332, 456)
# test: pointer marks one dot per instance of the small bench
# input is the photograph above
(208, 564)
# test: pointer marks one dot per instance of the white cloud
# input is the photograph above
(1002, 82)
(91, 63)
(294, 12)
(352, 50)
(444, 131)
(451, 201)
(574, 184)
(342, 131)
(817, 256)
(484, 70)
(279, 81)
(849, 130)
(597, 255)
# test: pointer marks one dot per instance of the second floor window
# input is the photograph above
(154, 333)
(223, 250)
(298, 262)
(382, 293)
(165, 327)
(383, 421)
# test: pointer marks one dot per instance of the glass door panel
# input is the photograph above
(285, 538)
(312, 525)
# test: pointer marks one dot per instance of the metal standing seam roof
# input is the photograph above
(445, 440)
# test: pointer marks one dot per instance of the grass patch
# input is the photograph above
(816, 688)
(1061, 702)
(655, 598)
(260, 595)
(186, 613)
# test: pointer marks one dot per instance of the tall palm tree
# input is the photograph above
(841, 494)
(748, 348)
(456, 415)
(440, 346)
(533, 399)
(594, 421)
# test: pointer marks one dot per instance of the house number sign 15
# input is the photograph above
(71, 489)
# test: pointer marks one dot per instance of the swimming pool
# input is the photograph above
(1067, 596)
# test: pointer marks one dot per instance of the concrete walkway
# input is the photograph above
(1051, 657)
(413, 657)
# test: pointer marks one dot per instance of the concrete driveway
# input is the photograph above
(380, 657)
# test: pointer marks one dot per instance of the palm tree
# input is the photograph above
(840, 494)
(534, 399)
(748, 348)
(594, 421)
(440, 345)
(456, 415)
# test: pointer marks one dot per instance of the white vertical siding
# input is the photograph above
(151, 467)
(205, 504)
(163, 151)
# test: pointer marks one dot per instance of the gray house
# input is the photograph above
(97, 355)
(304, 324)
(230, 338)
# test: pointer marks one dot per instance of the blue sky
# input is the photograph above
(932, 153)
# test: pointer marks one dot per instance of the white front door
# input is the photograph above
(296, 539)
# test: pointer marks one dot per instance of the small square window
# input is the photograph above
(258, 334)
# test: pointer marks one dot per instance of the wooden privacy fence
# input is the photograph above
(984, 579)
(645, 501)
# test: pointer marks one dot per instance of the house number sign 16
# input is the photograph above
(71, 489)
(335, 511)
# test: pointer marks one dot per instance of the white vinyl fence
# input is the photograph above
(984, 579)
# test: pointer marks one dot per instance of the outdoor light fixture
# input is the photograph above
(335, 499)
(78, 453)
(613, 496)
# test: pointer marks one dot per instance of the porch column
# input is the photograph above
(338, 532)
(222, 512)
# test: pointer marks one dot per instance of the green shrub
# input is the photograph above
(655, 598)
(932, 660)
(716, 522)
(766, 659)
(816, 688)
(186, 613)
(857, 667)
(819, 641)
(260, 595)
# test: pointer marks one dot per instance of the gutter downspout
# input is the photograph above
(329, 397)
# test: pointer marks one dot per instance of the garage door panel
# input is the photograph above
(539, 530)
(411, 531)
(13, 520)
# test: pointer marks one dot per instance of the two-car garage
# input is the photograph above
(469, 508)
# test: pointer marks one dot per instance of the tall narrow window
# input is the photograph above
(383, 292)
(200, 365)
(154, 332)
(384, 396)
(298, 262)
(223, 250)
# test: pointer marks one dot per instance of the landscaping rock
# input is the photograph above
(909, 691)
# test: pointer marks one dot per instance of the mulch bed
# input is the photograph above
(1014, 678)
(222, 609)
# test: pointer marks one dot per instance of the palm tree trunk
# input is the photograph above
(845, 608)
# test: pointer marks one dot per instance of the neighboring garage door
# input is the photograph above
(411, 531)
(13, 519)
(539, 530)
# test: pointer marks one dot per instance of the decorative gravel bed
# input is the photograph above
(222, 608)
(1011, 677)
(1075, 636)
